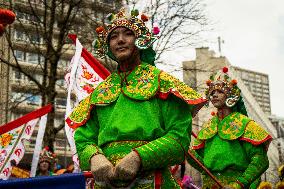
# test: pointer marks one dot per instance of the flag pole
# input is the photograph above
(202, 166)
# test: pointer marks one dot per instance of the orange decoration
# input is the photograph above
(144, 18)
(100, 29)
(213, 113)
(208, 82)
(234, 81)
(5, 139)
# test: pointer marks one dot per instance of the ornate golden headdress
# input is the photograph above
(221, 81)
(46, 155)
(144, 37)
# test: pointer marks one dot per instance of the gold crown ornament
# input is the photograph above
(144, 37)
(221, 81)
(46, 156)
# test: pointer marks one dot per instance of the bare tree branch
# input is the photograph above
(45, 27)
(181, 22)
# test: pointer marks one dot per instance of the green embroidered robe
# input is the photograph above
(149, 111)
(233, 149)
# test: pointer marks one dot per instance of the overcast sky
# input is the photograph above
(253, 31)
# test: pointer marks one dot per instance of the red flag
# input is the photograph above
(12, 136)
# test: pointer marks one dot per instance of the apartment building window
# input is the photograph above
(60, 102)
(33, 58)
(20, 55)
(20, 15)
(33, 99)
(17, 97)
(35, 38)
(63, 63)
(60, 82)
(19, 35)
(17, 75)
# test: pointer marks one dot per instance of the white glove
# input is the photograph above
(102, 168)
(128, 167)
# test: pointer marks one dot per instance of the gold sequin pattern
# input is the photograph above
(169, 83)
(255, 132)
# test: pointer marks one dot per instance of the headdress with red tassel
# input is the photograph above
(144, 37)
(221, 81)
(46, 155)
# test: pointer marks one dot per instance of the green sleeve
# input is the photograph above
(258, 163)
(171, 148)
(86, 140)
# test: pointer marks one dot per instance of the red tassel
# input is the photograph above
(158, 179)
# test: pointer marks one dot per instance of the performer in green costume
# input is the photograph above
(46, 163)
(231, 145)
(137, 122)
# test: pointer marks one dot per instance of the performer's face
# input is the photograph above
(121, 42)
(44, 166)
(218, 98)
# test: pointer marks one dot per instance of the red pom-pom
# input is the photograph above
(213, 113)
(144, 18)
(208, 82)
(234, 81)
(100, 29)
(46, 148)
(7, 16)
(225, 69)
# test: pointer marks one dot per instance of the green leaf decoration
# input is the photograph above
(134, 13)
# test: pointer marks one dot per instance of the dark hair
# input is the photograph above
(240, 107)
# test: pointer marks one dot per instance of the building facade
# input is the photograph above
(258, 84)
(278, 123)
(20, 95)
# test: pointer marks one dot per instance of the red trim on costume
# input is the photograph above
(158, 179)
(92, 61)
(74, 125)
(164, 96)
(174, 170)
(88, 174)
(199, 146)
(26, 118)
(268, 137)
(193, 134)
(134, 150)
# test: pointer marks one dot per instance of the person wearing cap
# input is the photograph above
(230, 144)
(136, 123)
(46, 162)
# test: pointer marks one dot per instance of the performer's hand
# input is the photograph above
(102, 168)
(128, 167)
